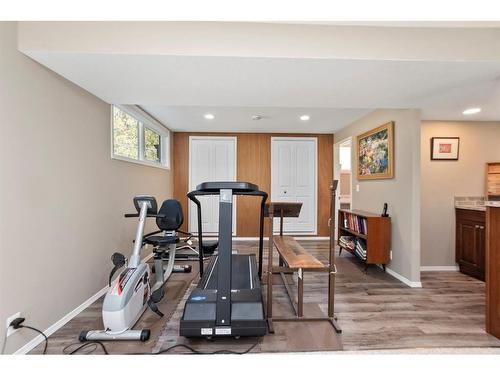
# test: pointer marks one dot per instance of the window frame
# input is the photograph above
(145, 121)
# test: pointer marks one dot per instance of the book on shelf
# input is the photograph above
(347, 242)
(356, 223)
(356, 245)
(361, 248)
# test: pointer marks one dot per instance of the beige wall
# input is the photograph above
(264, 40)
(442, 180)
(402, 193)
(62, 197)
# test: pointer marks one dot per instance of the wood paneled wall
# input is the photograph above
(253, 160)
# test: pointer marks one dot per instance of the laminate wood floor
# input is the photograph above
(375, 311)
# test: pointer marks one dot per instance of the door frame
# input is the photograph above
(336, 176)
(314, 232)
(209, 137)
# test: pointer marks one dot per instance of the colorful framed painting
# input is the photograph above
(375, 153)
(444, 148)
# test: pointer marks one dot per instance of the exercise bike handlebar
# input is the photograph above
(148, 215)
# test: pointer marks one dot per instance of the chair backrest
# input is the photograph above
(173, 219)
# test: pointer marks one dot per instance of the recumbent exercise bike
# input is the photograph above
(130, 293)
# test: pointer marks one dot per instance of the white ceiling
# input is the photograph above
(179, 89)
(274, 119)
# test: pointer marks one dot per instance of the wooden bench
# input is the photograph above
(294, 255)
(293, 258)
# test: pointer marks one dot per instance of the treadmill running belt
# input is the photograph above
(240, 274)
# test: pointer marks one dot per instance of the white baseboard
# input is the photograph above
(439, 268)
(411, 284)
(30, 345)
(310, 238)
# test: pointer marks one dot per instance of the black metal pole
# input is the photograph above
(224, 260)
(193, 198)
(261, 235)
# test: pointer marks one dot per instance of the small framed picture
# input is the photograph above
(444, 148)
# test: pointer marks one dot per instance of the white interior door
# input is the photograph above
(293, 179)
(210, 159)
(342, 171)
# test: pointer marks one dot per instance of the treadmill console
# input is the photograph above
(235, 186)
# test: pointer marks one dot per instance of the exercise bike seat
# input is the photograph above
(161, 240)
(169, 219)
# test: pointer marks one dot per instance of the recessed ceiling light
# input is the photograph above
(256, 117)
(471, 111)
(305, 117)
(209, 116)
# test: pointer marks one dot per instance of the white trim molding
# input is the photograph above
(37, 340)
(411, 284)
(438, 268)
(298, 238)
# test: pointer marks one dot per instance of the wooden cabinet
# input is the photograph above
(493, 181)
(493, 271)
(470, 242)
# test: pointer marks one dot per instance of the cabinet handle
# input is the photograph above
(476, 226)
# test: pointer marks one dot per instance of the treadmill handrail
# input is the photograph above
(192, 196)
(235, 186)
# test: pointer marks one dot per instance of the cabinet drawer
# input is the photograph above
(470, 215)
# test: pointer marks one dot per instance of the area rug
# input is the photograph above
(288, 336)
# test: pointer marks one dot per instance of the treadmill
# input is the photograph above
(228, 298)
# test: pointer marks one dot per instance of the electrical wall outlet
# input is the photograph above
(357, 188)
(390, 255)
(11, 330)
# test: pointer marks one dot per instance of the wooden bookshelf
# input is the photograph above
(373, 229)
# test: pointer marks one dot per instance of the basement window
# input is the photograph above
(138, 138)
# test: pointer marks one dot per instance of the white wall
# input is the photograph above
(62, 197)
(402, 193)
(442, 180)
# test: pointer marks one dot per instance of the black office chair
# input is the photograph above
(169, 223)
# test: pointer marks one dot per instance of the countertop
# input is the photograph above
(492, 204)
(470, 203)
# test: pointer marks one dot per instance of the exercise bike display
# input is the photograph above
(130, 293)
